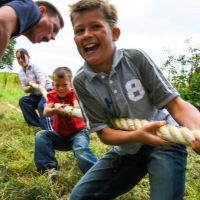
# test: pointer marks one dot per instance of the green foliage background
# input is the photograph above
(184, 72)
(9, 56)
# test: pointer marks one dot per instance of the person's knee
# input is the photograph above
(78, 150)
(21, 101)
(84, 156)
(40, 135)
(81, 141)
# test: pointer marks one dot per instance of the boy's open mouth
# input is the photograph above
(91, 47)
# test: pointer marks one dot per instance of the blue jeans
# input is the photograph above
(46, 142)
(114, 175)
(29, 105)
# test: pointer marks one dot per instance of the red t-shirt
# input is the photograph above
(65, 125)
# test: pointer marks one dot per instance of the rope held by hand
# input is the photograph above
(42, 89)
(75, 112)
(169, 133)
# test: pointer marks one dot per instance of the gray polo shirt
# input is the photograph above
(135, 88)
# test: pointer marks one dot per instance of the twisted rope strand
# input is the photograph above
(169, 133)
(75, 112)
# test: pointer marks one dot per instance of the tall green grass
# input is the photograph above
(10, 87)
(18, 177)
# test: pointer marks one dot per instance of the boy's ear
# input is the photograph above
(43, 9)
(52, 84)
(116, 33)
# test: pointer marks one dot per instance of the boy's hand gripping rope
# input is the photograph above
(75, 112)
(169, 133)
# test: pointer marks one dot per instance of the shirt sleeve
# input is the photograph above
(38, 72)
(51, 97)
(28, 15)
(159, 89)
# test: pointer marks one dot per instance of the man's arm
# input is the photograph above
(42, 82)
(8, 26)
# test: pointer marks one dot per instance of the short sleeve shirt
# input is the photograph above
(65, 125)
(28, 14)
(134, 88)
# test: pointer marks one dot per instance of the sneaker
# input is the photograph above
(53, 173)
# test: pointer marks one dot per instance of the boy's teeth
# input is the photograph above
(90, 45)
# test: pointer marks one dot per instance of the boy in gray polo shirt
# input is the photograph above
(126, 84)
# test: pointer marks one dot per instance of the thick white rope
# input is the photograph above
(75, 112)
(169, 133)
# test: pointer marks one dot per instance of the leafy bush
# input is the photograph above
(9, 56)
(191, 93)
(184, 73)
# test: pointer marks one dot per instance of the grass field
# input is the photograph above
(18, 177)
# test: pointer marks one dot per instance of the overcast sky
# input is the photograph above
(149, 25)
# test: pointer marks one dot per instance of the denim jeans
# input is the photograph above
(114, 175)
(29, 105)
(46, 142)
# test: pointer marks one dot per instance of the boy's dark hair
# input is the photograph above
(62, 72)
(22, 52)
(109, 10)
(51, 10)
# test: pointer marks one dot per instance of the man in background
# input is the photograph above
(39, 21)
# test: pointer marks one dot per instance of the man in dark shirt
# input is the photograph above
(39, 21)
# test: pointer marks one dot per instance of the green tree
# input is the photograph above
(183, 71)
(9, 56)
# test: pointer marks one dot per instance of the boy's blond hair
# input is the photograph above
(109, 10)
(62, 72)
